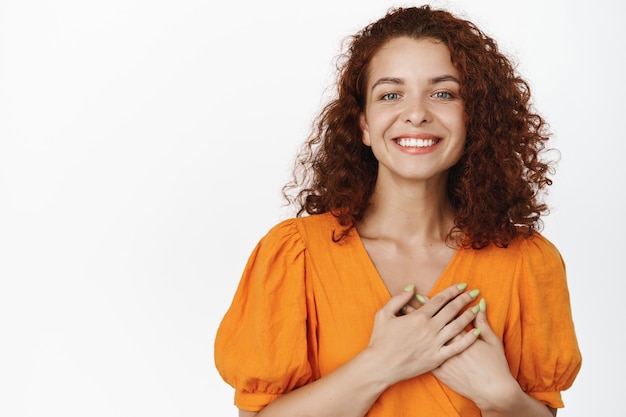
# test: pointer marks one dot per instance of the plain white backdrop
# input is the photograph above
(143, 145)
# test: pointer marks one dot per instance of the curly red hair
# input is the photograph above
(496, 186)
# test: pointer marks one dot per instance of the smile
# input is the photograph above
(416, 143)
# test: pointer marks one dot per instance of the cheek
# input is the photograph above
(457, 122)
(463, 133)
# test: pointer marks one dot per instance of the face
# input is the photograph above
(414, 117)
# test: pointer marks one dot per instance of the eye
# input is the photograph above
(390, 96)
(444, 95)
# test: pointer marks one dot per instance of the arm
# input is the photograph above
(481, 373)
(519, 404)
(541, 343)
(509, 400)
(400, 348)
(539, 411)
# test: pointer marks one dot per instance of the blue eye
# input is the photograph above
(446, 95)
(390, 96)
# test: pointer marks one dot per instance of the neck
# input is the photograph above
(416, 214)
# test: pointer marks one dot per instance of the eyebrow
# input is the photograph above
(400, 81)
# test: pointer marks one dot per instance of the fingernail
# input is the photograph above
(483, 305)
(409, 288)
(477, 332)
(403, 310)
(461, 286)
(420, 298)
(475, 309)
(474, 293)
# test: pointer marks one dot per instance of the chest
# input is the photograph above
(400, 266)
(351, 282)
(350, 289)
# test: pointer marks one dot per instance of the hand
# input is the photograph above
(480, 372)
(421, 339)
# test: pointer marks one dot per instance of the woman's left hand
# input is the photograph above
(481, 372)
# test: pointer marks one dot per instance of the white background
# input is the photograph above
(143, 145)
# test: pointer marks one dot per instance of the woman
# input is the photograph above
(421, 184)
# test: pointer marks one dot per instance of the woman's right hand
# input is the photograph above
(421, 339)
(401, 347)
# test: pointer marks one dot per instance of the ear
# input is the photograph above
(365, 130)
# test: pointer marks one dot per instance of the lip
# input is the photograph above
(417, 136)
(416, 150)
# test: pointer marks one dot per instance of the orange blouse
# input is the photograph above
(305, 306)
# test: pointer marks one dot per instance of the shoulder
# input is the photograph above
(539, 265)
(308, 229)
(533, 248)
(313, 237)
(524, 260)
(292, 237)
(537, 249)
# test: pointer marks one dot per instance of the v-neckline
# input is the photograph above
(439, 284)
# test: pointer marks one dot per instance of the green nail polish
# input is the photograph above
(461, 286)
(420, 298)
(477, 332)
(474, 293)
(475, 309)
(403, 310)
(483, 305)
(409, 288)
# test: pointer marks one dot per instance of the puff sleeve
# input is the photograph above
(549, 358)
(261, 346)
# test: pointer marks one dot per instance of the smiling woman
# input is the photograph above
(414, 118)
(421, 188)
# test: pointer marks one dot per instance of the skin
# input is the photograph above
(411, 92)
(400, 348)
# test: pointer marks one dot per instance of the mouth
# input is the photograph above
(416, 142)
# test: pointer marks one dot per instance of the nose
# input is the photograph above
(416, 111)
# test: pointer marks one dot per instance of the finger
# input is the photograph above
(398, 301)
(406, 309)
(456, 328)
(453, 308)
(433, 305)
(421, 299)
(481, 322)
(416, 302)
(457, 337)
(458, 345)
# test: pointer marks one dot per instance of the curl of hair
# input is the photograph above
(495, 188)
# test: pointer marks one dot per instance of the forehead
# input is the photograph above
(407, 57)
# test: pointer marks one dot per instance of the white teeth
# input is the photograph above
(416, 143)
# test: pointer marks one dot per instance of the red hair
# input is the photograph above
(496, 186)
